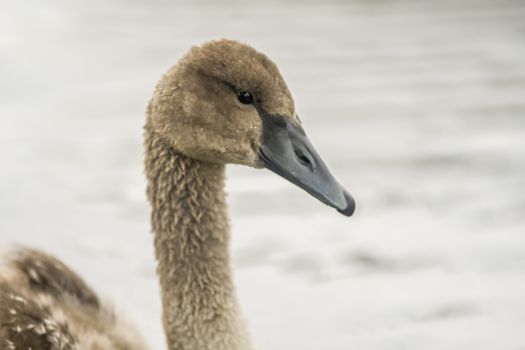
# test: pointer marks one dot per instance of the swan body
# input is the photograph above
(45, 305)
(222, 103)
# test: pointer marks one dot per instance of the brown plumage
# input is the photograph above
(45, 305)
(196, 124)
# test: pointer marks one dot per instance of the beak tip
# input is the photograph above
(350, 205)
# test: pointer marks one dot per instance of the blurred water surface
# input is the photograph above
(417, 106)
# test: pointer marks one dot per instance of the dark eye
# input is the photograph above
(245, 97)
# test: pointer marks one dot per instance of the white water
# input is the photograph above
(418, 107)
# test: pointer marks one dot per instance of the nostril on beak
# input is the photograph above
(304, 158)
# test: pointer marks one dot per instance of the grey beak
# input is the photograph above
(287, 151)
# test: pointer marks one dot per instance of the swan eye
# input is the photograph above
(245, 97)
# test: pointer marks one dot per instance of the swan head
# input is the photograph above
(224, 102)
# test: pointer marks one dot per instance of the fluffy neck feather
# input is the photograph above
(189, 221)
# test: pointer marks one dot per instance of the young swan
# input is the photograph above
(222, 103)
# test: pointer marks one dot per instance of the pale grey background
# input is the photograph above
(417, 106)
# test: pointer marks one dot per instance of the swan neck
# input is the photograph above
(191, 234)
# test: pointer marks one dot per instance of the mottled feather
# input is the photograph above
(44, 305)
